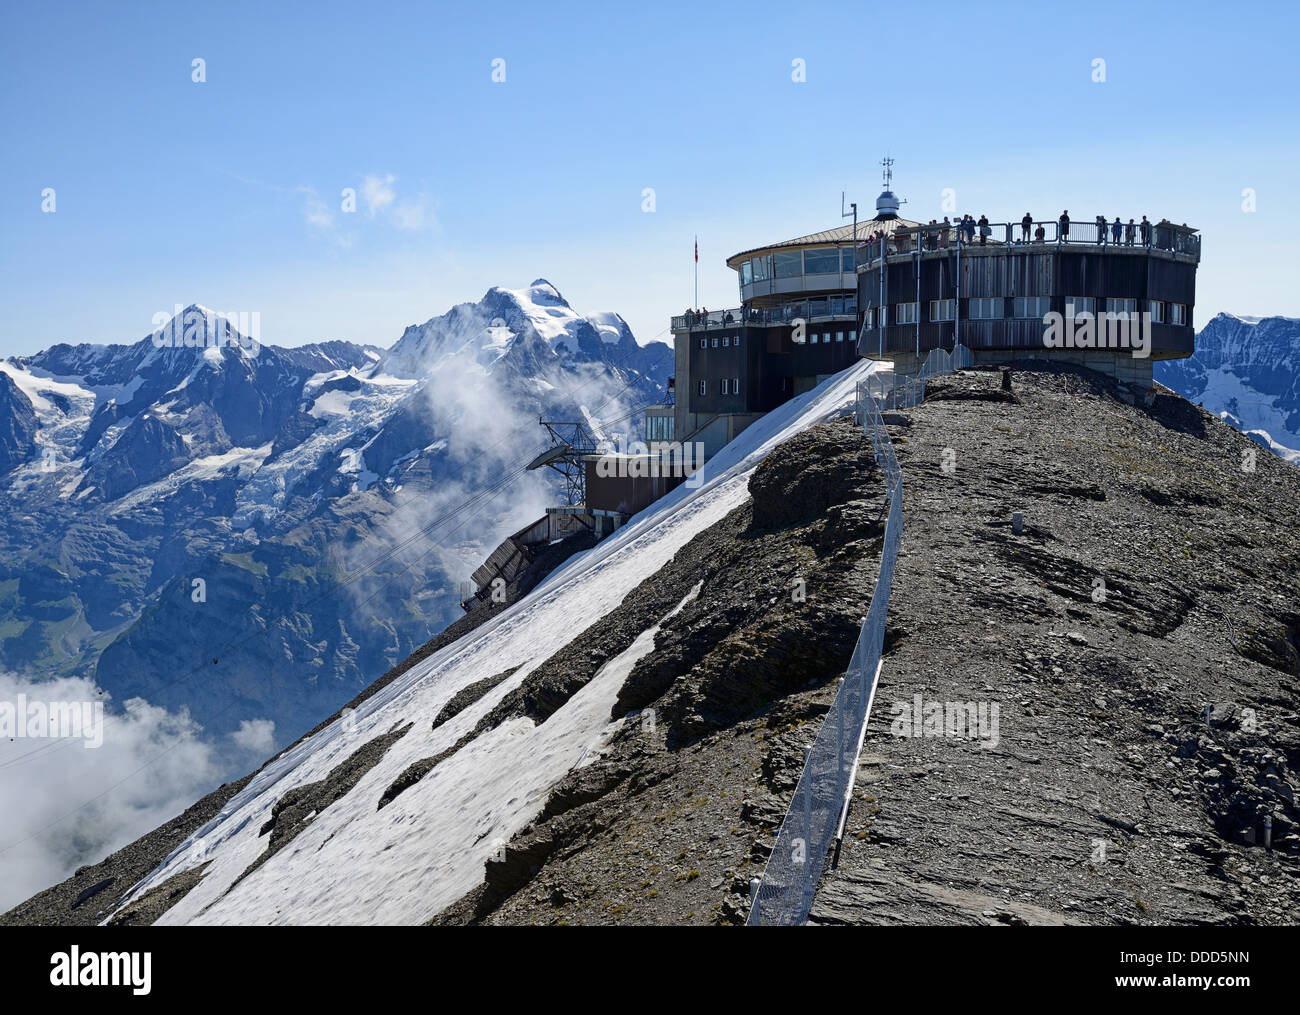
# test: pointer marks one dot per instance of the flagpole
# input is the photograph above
(696, 304)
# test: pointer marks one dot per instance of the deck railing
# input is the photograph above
(786, 313)
(1166, 236)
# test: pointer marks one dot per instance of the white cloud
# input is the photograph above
(378, 192)
(316, 211)
(412, 214)
(46, 832)
(256, 735)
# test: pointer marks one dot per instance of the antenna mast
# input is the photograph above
(844, 214)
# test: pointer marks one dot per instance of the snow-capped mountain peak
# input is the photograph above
(542, 292)
(200, 327)
(1245, 369)
(532, 330)
(1251, 319)
(610, 326)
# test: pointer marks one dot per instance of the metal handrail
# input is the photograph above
(933, 237)
(786, 313)
(820, 802)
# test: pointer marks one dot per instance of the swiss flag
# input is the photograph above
(697, 251)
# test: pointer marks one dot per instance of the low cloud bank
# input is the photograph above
(65, 805)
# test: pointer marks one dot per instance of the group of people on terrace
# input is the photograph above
(701, 316)
(936, 235)
(1119, 232)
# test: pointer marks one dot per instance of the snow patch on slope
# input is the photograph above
(405, 863)
(39, 389)
(1248, 409)
(609, 325)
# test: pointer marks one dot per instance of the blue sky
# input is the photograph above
(228, 192)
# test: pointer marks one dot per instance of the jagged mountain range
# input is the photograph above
(1246, 370)
(191, 524)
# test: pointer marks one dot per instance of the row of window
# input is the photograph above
(1177, 312)
(793, 263)
(727, 341)
(1024, 308)
(827, 337)
(817, 336)
(734, 388)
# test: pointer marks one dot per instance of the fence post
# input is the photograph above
(839, 732)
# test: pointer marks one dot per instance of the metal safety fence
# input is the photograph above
(815, 820)
(1034, 235)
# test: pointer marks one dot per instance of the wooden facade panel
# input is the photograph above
(1173, 282)
(1041, 275)
(937, 284)
(1057, 274)
(983, 276)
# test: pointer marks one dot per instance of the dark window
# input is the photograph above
(821, 261)
(1030, 307)
(787, 264)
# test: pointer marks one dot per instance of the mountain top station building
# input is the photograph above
(1120, 296)
(798, 323)
(892, 289)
